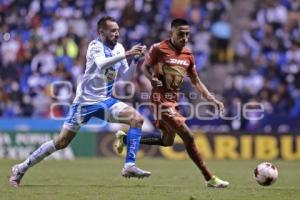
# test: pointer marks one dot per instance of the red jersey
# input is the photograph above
(169, 66)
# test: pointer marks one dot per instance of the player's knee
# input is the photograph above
(137, 121)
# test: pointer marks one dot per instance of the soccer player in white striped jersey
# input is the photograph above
(105, 59)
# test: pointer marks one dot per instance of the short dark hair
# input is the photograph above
(102, 22)
(179, 22)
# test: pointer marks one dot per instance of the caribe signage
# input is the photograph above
(243, 147)
(220, 146)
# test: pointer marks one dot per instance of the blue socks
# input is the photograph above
(133, 143)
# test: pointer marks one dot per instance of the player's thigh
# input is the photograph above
(123, 113)
(173, 122)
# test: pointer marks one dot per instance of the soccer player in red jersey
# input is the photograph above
(166, 65)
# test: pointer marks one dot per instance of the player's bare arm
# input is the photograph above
(147, 70)
(202, 89)
(105, 63)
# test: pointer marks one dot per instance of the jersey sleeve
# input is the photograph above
(95, 50)
(192, 72)
(97, 54)
(152, 55)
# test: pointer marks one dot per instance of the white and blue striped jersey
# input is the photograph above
(97, 82)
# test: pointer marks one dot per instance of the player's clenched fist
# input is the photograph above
(136, 50)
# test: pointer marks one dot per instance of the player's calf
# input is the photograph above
(167, 142)
(63, 139)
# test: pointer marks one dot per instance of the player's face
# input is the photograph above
(180, 36)
(111, 33)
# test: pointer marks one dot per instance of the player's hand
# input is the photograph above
(155, 82)
(137, 50)
(220, 106)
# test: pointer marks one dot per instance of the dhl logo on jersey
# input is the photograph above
(178, 62)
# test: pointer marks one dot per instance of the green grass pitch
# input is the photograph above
(100, 179)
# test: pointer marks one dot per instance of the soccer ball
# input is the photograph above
(265, 174)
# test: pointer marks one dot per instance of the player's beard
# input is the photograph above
(113, 41)
(182, 44)
(179, 45)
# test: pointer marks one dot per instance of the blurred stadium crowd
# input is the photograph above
(43, 42)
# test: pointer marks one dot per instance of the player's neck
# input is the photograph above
(173, 45)
(106, 43)
(109, 45)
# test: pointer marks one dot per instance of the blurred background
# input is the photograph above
(245, 51)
